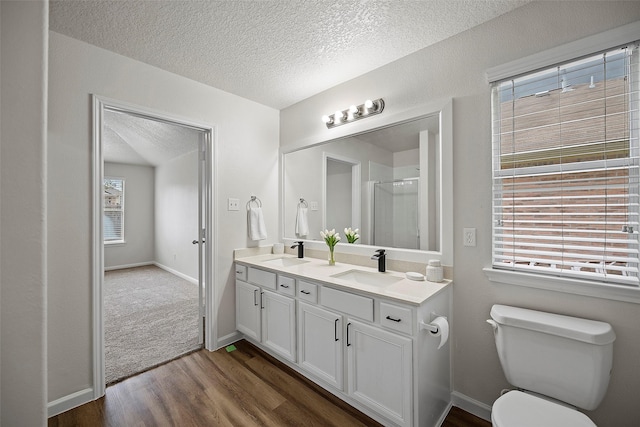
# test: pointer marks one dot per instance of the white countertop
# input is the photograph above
(405, 290)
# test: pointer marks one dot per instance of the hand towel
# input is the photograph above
(302, 222)
(257, 229)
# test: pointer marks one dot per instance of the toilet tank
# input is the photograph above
(566, 358)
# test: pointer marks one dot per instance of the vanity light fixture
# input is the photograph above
(353, 113)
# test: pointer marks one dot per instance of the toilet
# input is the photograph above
(557, 363)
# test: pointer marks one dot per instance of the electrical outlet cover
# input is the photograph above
(233, 204)
(469, 236)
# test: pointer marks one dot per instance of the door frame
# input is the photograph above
(100, 104)
(356, 179)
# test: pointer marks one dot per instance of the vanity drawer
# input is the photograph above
(263, 278)
(354, 305)
(396, 318)
(287, 285)
(308, 291)
(241, 272)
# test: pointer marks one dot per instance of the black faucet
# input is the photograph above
(300, 246)
(381, 257)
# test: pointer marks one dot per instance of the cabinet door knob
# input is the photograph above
(305, 292)
(255, 299)
(335, 329)
(393, 319)
(261, 299)
(284, 286)
(348, 343)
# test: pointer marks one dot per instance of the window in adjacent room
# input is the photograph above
(113, 210)
(566, 169)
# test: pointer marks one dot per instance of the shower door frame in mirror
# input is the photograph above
(444, 159)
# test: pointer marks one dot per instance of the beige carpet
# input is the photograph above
(150, 317)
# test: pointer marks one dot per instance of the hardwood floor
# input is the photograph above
(245, 387)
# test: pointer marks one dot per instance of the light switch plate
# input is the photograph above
(469, 237)
(313, 206)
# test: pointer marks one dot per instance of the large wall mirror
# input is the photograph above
(392, 183)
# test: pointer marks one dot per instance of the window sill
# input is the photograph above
(115, 243)
(565, 285)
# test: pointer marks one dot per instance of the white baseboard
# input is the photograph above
(443, 417)
(71, 401)
(228, 339)
(176, 273)
(120, 267)
(472, 406)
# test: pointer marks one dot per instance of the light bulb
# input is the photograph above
(354, 110)
(338, 116)
(326, 119)
(368, 104)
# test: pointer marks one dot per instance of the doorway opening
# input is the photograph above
(340, 192)
(153, 194)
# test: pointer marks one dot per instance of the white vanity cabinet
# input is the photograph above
(248, 310)
(320, 343)
(265, 316)
(378, 363)
(279, 324)
(379, 366)
(365, 347)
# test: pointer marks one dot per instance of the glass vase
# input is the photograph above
(332, 260)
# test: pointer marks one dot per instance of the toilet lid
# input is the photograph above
(524, 410)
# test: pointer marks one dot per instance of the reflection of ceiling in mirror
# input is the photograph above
(136, 140)
(401, 137)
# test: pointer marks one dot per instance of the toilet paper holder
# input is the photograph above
(428, 326)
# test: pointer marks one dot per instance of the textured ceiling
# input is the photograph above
(402, 137)
(276, 53)
(135, 140)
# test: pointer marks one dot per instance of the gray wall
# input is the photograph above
(23, 226)
(455, 68)
(176, 208)
(139, 218)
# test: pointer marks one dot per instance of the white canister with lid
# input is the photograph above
(434, 271)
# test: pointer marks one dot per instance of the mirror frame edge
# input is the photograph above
(445, 111)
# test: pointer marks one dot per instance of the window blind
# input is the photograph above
(566, 184)
(113, 209)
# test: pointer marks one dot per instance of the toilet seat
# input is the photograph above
(518, 409)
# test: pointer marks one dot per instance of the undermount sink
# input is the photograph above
(367, 278)
(285, 262)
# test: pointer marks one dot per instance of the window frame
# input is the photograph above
(591, 45)
(122, 240)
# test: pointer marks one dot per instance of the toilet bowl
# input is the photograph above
(518, 409)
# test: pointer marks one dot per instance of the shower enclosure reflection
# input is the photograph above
(395, 213)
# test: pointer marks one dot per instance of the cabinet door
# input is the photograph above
(248, 309)
(380, 370)
(278, 324)
(320, 343)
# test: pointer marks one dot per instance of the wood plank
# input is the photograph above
(460, 418)
(303, 398)
(246, 387)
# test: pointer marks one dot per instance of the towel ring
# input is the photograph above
(303, 202)
(255, 200)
